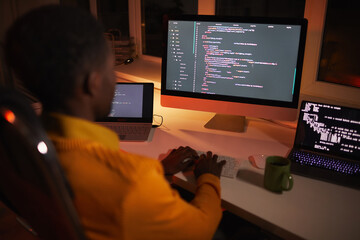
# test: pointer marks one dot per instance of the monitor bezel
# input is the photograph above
(302, 22)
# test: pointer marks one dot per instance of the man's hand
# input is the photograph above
(208, 164)
(178, 160)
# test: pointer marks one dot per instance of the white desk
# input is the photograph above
(311, 210)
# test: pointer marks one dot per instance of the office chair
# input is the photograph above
(32, 183)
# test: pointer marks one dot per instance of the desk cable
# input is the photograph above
(161, 120)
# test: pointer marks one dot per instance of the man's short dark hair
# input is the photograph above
(51, 47)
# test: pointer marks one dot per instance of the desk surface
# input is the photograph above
(311, 210)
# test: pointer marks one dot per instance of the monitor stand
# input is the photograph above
(225, 122)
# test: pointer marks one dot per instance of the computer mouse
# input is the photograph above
(258, 160)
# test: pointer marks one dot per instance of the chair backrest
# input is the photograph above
(32, 182)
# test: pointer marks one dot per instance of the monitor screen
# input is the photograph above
(233, 65)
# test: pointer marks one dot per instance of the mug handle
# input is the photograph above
(287, 182)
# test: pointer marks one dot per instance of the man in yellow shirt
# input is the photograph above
(60, 55)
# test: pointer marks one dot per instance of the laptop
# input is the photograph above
(327, 144)
(131, 112)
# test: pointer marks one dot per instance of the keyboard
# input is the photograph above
(333, 164)
(130, 129)
(230, 168)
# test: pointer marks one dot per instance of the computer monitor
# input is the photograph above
(233, 66)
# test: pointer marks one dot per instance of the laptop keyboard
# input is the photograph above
(306, 158)
(134, 130)
(230, 168)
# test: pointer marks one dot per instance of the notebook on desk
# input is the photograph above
(327, 144)
(131, 112)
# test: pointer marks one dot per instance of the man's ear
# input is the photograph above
(91, 83)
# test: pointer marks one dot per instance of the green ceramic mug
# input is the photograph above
(277, 174)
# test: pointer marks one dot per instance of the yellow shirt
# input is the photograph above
(119, 195)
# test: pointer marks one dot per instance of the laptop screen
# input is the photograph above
(329, 129)
(132, 102)
(128, 101)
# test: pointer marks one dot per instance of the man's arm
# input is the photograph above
(160, 212)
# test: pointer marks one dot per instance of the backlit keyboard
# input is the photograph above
(230, 168)
(340, 166)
